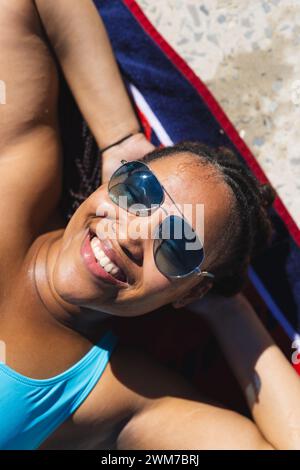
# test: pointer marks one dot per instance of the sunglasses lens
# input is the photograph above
(135, 188)
(177, 248)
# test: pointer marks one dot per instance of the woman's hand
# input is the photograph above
(133, 148)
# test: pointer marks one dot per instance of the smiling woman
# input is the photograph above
(64, 372)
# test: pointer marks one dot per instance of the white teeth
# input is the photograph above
(108, 267)
(103, 261)
(101, 257)
(95, 241)
(98, 253)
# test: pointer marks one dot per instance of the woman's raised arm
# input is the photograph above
(81, 44)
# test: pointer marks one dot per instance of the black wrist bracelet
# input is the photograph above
(119, 142)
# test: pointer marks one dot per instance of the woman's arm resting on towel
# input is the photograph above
(269, 382)
(173, 423)
(80, 41)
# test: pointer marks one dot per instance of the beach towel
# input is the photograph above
(174, 105)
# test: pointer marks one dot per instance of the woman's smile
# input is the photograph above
(99, 258)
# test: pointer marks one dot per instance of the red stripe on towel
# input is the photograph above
(144, 121)
(297, 368)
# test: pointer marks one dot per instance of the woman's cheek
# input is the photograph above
(154, 281)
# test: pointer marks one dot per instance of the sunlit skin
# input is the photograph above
(52, 310)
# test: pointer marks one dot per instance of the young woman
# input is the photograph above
(66, 382)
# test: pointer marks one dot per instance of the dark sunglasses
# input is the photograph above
(135, 188)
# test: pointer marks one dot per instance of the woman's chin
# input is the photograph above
(75, 288)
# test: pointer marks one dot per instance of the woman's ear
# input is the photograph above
(195, 293)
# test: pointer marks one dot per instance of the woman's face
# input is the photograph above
(146, 289)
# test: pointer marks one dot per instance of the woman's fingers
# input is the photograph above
(134, 148)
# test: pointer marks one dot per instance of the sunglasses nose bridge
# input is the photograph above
(164, 210)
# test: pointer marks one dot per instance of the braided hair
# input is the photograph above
(249, 229)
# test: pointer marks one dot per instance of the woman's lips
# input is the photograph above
(94, 267)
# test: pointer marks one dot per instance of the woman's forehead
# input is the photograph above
(182, 170)
(197, 189)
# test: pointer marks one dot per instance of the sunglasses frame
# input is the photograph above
(196, 271)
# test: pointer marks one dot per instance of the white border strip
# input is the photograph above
(162, 135)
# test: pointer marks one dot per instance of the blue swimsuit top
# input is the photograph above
(31, 409)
